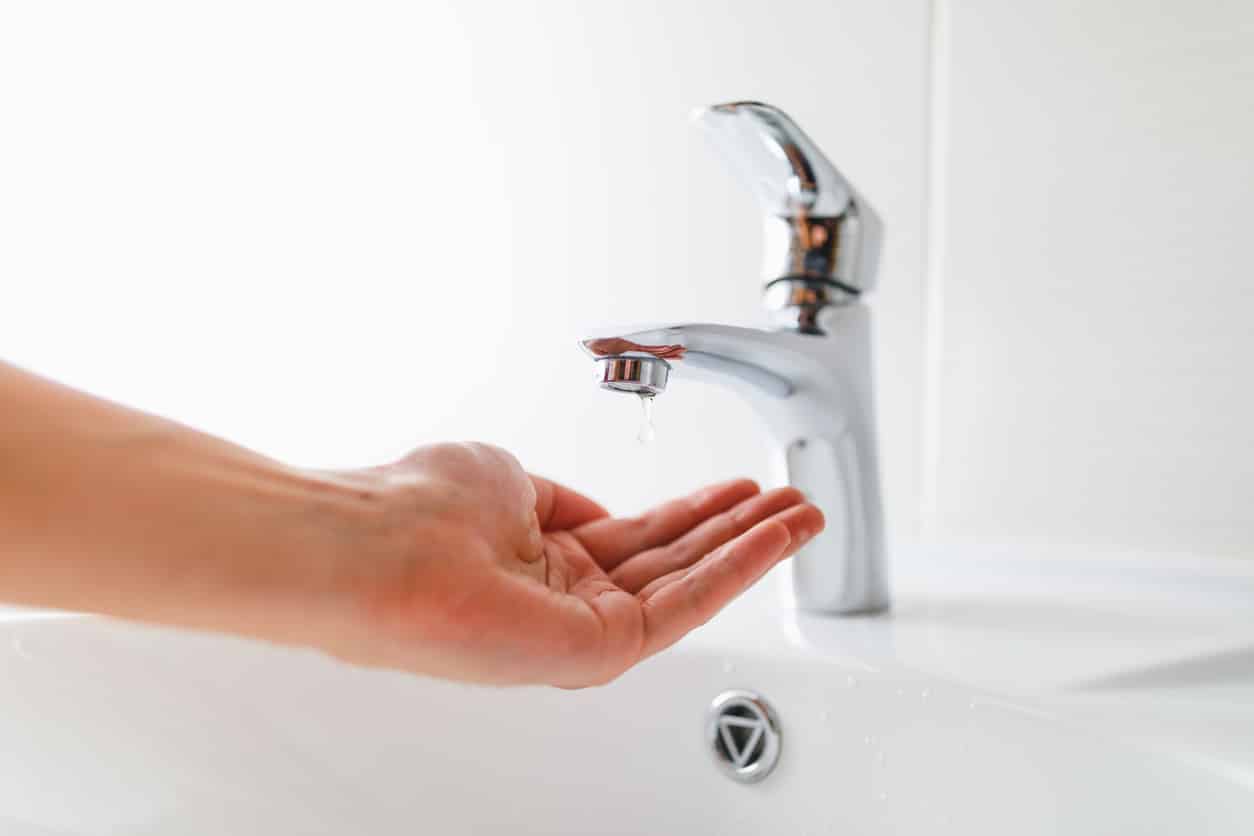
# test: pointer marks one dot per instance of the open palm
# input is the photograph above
(635, 586)
(509, 578)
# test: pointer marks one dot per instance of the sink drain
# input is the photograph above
(742, 731)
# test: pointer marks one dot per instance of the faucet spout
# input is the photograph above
(719, 353)
(813, 393)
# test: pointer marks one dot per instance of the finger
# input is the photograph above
(558, 508)
(637, 571)
(692, 599)
(611, 541)
(802, 522)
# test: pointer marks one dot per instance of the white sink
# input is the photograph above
(1003, 695)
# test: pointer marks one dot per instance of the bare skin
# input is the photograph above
(452, 562)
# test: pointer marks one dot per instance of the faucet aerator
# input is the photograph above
(644, 376)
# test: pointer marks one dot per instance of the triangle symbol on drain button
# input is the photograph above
(740, 736)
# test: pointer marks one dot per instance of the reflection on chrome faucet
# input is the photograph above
(810, 378)
(618, 345)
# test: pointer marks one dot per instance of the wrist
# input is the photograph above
(361, 576)
(330, 537)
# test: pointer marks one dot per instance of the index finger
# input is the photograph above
(611, 541)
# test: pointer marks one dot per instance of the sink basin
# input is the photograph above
(1006, 693)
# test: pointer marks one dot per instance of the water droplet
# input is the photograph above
(728, 667)
(851, 682)
(881, 796)
(924, 693)
(648, 433)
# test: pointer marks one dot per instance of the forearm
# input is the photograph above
(108, 510)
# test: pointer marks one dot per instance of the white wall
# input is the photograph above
(332, 231)
(1095, 276)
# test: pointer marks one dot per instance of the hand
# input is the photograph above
(500, 577)
(452, 562)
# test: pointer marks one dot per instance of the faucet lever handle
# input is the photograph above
(784, 169)
(824, 233)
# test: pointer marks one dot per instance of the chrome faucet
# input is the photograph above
(809, 377)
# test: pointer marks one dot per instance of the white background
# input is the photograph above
(334, 231)
(1097, 275)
